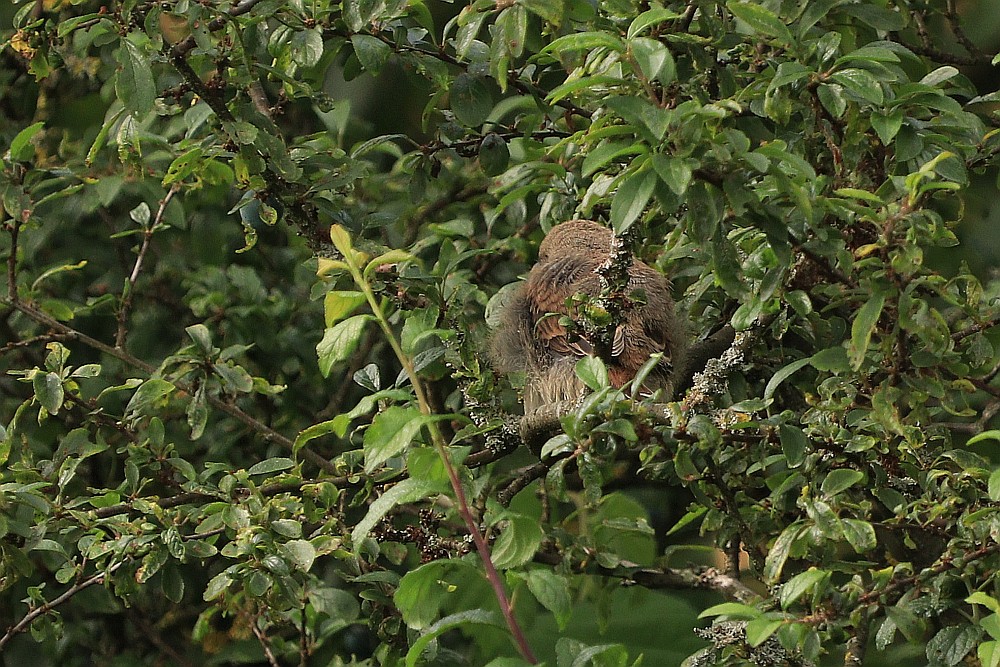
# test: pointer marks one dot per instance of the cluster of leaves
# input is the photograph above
(209, 433)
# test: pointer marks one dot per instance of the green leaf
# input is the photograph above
(549, 10)
(860, 535)
(463, 618)
(494, 155)
(654, 59)
(952, 644)
(779, 552)
(134, 84)
(650, 18)
(592, 371)
(731, 609)
(831, 96)
(306, 47)
(471, 99)
(271, 466)
(675, 172)
(520, 537)
(301, 552)
(202, 337)
(860, 83)
(631, 198)
(760, 629)
(340, 341)
(878, 17)
(391, 433)
(993, 434)
(760, 19)
(552, 592)
(841, 479)
(831, 359)
(607, 151)
(338, 304)
(197, 413)
(371, 51)
(991, 624)
(48, 391)
(407, 491)
(862, 328)
(794, 444)
(217, 585)
(21, 148)
(986, 600)
(585, 41)
(149, 392)
(801, 584)
(781, 375)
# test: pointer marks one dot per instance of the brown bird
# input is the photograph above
(530, 338)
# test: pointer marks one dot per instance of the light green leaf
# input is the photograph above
(654, 59)
(650, 18)
(860, 535)
(340, 341)
(782, 375)
(338, 304)
(731, 609)
(860, 83)
(760, 629)
(585, 41)
(592, 371)
(48, 391)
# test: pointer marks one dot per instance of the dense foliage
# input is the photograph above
(247, 412)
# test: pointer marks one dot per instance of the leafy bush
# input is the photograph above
(248, 409)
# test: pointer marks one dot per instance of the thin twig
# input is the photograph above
(956, 29)
(975, 328)
(127, 293)
(15, 229)
(264, 643)
(41, 610)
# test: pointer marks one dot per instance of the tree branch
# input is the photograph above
(41, 610)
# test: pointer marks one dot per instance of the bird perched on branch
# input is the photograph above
(533, 336)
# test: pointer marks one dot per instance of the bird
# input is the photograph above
(531, 339)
